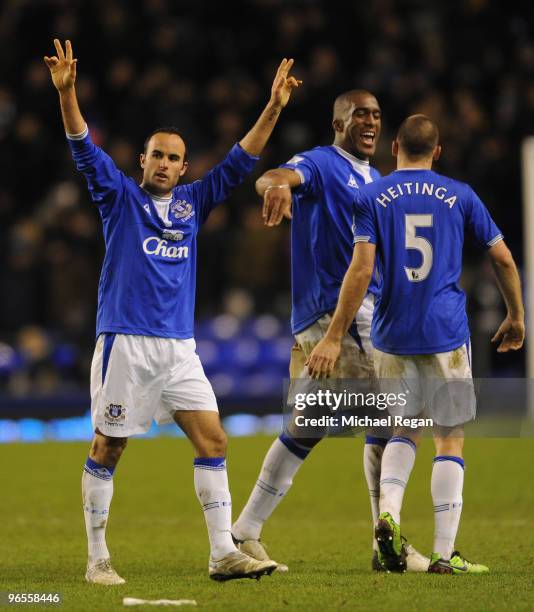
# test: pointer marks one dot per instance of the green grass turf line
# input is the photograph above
(322, 530)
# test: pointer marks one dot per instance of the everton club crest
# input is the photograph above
(115, 413)
(182, 210)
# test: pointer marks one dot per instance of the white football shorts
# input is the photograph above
(356, 357)
(355, 361)
(438, 386)
(138, 379)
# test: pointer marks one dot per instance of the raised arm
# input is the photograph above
(275, 188)
(63, 72)
(257, 138)
(511, 333)
(323, 358)
(104, 180)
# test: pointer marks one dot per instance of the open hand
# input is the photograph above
(283, 84)
(511, 335)
(62, 66)
(276, 204)
(323, 358)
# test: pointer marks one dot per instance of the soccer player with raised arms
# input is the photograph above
(316, 188)
(145, 366)
(414, 221)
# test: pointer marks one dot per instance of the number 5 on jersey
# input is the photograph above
(413, 241)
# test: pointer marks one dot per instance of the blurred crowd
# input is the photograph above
(207, 68)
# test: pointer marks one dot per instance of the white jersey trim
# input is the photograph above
(302, 179)
(79, 136)
(495, 240)
(362, 167)
(411, 169)
(162, 206)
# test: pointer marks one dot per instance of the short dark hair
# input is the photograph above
(417, 136)
(169, 129)
(345, 99)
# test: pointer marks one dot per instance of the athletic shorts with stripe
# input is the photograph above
(139, 379)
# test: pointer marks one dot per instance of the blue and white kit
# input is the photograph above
(321, 251)
(418, 220)
(321, 238)
(147, 289)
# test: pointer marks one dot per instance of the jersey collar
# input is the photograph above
(159, 199)
(410, 169)
(361, 167)
(355, 161)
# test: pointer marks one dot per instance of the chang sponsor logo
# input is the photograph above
(158, 246)
(172, 235)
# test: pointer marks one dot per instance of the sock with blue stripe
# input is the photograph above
(280, 465)
(211, 486)
(397, 464)
(447, 486)
(372, 460)
(97, 491)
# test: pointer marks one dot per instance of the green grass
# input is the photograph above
(322, 530)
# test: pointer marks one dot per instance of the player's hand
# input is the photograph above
(62, 66)
(510, 335)
(283, 84)
(276, 204)
(323, 358)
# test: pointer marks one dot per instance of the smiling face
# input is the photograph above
(357, 123)
(163, 163)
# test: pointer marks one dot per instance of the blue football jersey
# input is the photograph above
(147, 284)
(418, 219)
(321, 234)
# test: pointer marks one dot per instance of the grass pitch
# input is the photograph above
(322, 530)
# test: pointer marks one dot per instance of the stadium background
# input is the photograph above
(207, 69)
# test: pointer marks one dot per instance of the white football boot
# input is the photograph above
(101, 572)
(239, 565)
(256, 550)
(415, 561)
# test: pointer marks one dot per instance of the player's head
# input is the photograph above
(357, 122)
(417, 140)
(163, 160)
